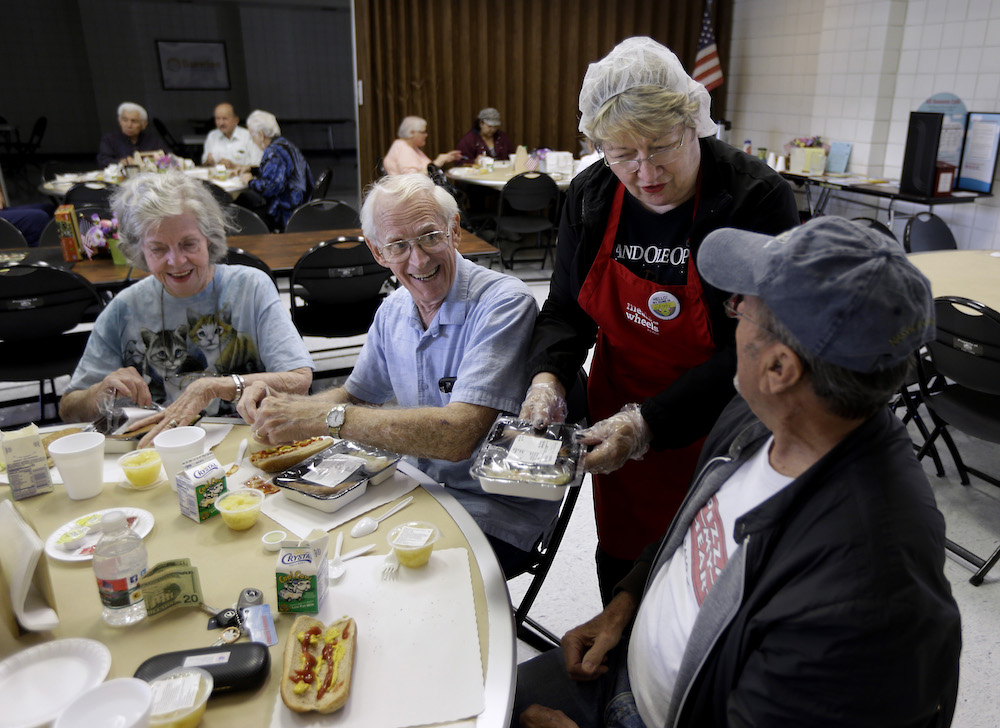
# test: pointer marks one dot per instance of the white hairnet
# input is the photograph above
(640, 61)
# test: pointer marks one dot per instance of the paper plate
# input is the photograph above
(38, 683)
(141, 522)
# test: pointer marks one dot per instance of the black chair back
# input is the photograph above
(340, 286)
(323, 215)
(926, 231)
(877, 225)
(238, 256)
(37, 134)
(10, 236)
(248, 221)
(39, 301)
(966, 345)
(529, 203)
(322, 185)
(174, 146)
(220, 195)
(90, 194)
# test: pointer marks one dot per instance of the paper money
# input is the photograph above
(169, 585)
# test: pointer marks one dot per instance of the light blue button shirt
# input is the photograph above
(480, 337)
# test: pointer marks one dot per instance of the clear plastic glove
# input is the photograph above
(620, 437)
(544, 404)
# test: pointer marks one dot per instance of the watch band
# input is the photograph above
(241, 386)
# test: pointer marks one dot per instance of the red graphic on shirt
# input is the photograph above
(708, 549)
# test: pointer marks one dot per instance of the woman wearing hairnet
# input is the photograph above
(625, 278)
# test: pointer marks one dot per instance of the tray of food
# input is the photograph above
(337, 476)
(518, 459)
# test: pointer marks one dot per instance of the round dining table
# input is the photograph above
(62, 183)
(499, 176)
(229, 561)
(973, 274)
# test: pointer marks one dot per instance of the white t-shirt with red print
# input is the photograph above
(670, 606)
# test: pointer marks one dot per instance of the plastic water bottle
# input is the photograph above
(119, 562)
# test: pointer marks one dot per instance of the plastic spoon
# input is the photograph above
(337, 566)
(368, 524)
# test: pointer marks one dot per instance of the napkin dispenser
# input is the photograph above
(557, 163)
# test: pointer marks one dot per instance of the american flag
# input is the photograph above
(707, 69)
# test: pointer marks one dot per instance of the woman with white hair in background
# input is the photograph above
(406, 153)
(283, 180)
(625, 279)
(131, 136)
(193, 333)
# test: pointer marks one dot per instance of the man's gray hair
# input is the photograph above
(132, 106)
(265, 123)
(402, 190)
(143, 202)
(410, 125)
(846, 393)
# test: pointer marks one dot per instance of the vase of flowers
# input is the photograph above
(807, 155)
(99, 237)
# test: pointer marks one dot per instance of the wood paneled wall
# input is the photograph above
(446, 59)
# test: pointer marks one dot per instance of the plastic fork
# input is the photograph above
(390, 566)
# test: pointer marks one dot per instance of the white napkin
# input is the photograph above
(20, 549)
(300, 519)
(418, 658)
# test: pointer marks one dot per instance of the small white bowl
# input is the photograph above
(272, 540)
(124, 703)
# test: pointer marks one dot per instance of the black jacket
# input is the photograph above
(836, 610)
(737, 190)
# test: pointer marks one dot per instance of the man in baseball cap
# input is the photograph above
(802, 581)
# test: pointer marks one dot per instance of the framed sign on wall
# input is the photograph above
(979, 154)
(188, 64)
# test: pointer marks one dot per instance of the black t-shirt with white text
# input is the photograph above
(654, 246)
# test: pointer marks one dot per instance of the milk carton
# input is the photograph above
(24, 456)
(199, 485)
(301, 573)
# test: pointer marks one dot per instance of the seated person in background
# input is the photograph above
(30, 219)
(450, 320)
(485, 139)
(283, 181)
(802, 582)
(229, 143)
(131, 137)
(187, 334)
(406, 153)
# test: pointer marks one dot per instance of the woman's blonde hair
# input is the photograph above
(643, 112)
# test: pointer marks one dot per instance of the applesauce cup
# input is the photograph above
(142, 468)
(240, 508)
(413, 542)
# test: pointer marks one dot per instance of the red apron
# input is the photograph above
(648, 335)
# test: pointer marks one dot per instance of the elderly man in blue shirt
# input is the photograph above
(450, 320)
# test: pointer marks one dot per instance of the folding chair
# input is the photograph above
(323, 215)
(926, 231)
(965, 352)
(528, 630)
(529, 203)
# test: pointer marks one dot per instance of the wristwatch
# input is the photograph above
(335, 419)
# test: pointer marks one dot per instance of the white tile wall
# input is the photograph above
(853, 70)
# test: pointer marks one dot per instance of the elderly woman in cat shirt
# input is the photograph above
(193, 332)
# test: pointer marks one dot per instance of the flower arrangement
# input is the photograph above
(98, 236)
(813, 142)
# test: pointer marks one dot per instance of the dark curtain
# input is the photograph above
(446, 59)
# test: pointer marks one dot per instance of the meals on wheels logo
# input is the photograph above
(662, 305)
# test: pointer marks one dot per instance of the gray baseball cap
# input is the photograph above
(846, 291)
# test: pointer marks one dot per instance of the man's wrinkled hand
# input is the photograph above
(538, 716)
(284, 418)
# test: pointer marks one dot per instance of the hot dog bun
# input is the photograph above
(320, 682)
(282, 457)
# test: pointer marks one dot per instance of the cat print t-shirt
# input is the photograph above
(237, 325)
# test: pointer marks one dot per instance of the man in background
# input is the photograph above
(229, 143)
(132, 136)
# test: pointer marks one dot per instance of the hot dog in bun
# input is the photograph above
(318, 661)
(282, 457)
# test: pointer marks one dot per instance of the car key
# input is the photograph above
(229, 635)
